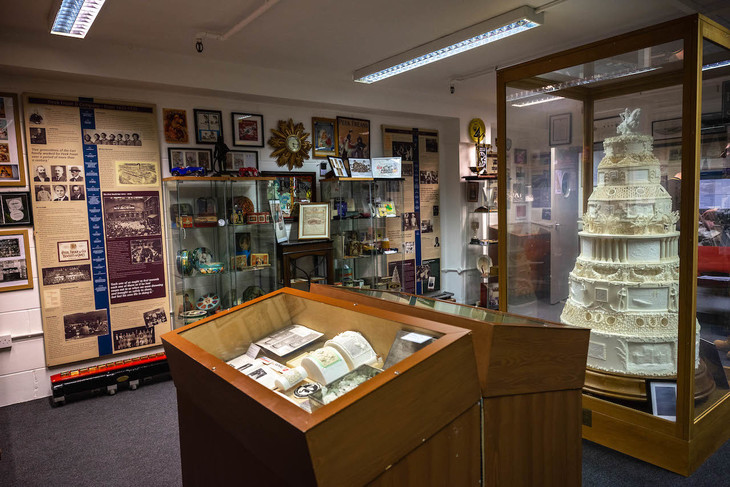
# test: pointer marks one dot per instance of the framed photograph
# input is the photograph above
(324, 137)
(12, 165)
(248, 129)
(189, 157)
(360, 168)
(259, 260)
(208, 126)
(666, 129)
(314, 221)
(353, 138)
(561, 129)
(338, 167)
(236, 159)
(16, 209)
(604, 128)
(520, 156)
(663, 397)
(277, 218)
(15, 268)
(292, 188)
(386, 167)
(520, 212)
(472, 191)
(175, 125)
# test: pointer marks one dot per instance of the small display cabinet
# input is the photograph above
(481, 197)
(221, 241)
(366, 230)
(298, 389)
(622, 148)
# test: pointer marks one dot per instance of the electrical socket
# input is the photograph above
(6, 341)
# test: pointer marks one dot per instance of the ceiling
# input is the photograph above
(327, 40)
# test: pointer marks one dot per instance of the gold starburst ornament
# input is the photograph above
(290, 144)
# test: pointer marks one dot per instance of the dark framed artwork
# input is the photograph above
(16, 209)
(472, 191)
(175, 125)
(248, 129)
(353, 138)
(237, 159)
(324, 137)
(520, 156)
(666, 129)
(293, 188)
(189, 157)
(208, 126)
(561, 129)
(12, 162)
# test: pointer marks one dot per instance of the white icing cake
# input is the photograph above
(625, 282)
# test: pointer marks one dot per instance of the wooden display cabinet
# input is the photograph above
(415, 423)
(530, 372)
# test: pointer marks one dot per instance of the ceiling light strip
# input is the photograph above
(74, 17)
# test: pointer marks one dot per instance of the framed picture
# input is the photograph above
(338, 167)
(386, 167)
(208, 126)
(520, 212)
(353, 138)
(360, 168)
(663, 397)
(12, 165)
(15, 268)
(314, 221)
(236, 159)
(16, 209)
(259, 259)
(472, 191)
(324, 137)
(666, 129)
(561, 129)
(248, 129)
(292, 188)
(520, 156)
(175, 125)
(604, 128)
(277, 218)
(189, 157)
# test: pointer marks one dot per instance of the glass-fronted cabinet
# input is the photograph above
(366, 230)
(481, 207)
(221, 243)
(622, 146)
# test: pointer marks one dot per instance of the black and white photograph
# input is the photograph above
(132, 216)
(404, 150)
(112, 137)
(139, 336)
(410, 221)
(58, 174)
(426, 226)
(37, 135)
(154, 317)
(360, 168)
(432, 144)
(60, 192)
(146, 250)
(66, 274)
(288, 339)
(41, 175)
(84, 325)
(406, 169)
(13, 271)
(409, 247)
(16, 209)
(77, 192)
(10, 247)
(429, 177)
(43, 192)
(237, 159)
(207, 126)
(75, 174)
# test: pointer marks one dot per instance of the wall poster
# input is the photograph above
(421, 224)
(99, 239)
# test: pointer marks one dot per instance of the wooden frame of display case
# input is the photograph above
(415, 423)
(531, 393)
(683, 445)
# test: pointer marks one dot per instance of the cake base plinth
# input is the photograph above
(633, 388)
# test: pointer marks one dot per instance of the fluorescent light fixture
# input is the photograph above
(499, 27)
(537, 101)
(74, 17)
(720, 64)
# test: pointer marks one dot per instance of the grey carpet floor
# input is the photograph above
(131, 439)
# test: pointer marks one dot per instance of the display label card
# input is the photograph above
(288, 339)
(416, 337)
(253, 350)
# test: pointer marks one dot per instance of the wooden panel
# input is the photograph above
(533, 439)
(710, 433)
(451, 457)
(362, 440)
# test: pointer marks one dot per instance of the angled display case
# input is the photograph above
(530, 374)
(411, 419)
(625, 144)
(221, 241)
(366, 217)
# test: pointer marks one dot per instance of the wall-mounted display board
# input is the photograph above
(96, 190)
(12, 170)
(420, 269)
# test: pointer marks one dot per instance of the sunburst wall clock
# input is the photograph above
(290, 144)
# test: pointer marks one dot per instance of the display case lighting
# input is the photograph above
(74, 17)
(505, 25)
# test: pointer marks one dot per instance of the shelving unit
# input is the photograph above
(482, 244)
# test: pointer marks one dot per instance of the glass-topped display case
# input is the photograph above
(366, 218)
(221, 241)
(626, 143)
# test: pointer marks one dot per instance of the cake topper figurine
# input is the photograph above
(629, 121)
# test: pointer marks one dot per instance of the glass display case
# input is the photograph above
(481, 197)
(341, 395)
(625, 144)
(366, 230)
(221, 243)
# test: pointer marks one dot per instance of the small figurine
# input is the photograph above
(219, 156)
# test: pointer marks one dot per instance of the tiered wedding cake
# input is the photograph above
(625, 282)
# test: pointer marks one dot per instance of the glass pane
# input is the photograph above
(713, 252)
(613, 265)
